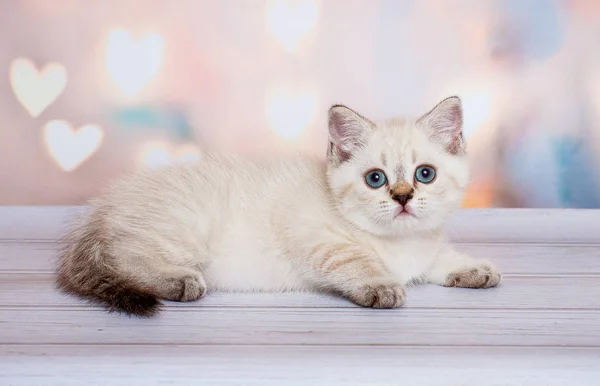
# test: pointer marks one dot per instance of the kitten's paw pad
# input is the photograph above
(481, 276)
(187, 288)
(379, 295)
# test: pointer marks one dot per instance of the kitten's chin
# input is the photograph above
(414, 222)
(400, 225)
(406, 224)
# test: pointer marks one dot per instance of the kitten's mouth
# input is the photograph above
(404, 212)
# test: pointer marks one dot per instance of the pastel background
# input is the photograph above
(92, 89)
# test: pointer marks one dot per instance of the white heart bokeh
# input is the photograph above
(291, 20)
(37, 89)
(132, 63)
(69, 147)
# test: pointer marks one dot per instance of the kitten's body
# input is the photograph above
(290, 224)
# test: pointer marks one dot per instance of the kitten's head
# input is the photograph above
(401, 176)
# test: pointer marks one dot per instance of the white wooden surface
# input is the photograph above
(299, 365)
(540, 327)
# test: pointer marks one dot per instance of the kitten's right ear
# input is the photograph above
(348, 131)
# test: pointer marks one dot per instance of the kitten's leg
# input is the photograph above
(356, 274)
(164, 280)
(454, 269)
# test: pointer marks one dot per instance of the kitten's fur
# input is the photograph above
(230, 224)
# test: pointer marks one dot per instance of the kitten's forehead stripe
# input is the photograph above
(400, 171)
(384, 159)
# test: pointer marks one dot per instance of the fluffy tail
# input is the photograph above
(86, 270)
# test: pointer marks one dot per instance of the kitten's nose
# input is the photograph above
(402, 192)
(403, 198)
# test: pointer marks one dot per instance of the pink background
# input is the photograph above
(252, 76)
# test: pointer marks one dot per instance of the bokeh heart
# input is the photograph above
(290, 20)
(36, 90)
(69, 147)
(132, 63)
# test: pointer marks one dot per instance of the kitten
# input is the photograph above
(363, 223)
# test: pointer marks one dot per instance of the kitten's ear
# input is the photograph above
(348, 131)
(444, 123)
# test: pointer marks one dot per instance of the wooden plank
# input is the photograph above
(542, 259)
(568, 226)
(503, 225)
(527, 259)
(514, 293)
(35, 222)
(28, 256)
(276, 365)
(301, 326)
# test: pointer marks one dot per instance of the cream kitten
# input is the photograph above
(363, 223)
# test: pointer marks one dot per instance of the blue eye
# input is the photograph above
(425, 174)
(375, 178)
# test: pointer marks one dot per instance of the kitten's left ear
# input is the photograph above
(444, 122)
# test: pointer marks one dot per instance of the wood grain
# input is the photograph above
(562, 226)
(521, 259)
(540, 327)
(276, 365)
(267, 326)
(26, 289)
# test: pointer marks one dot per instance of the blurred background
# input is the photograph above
(92, 89)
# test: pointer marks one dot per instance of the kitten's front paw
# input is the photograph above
(382, 294)
(483, 275)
